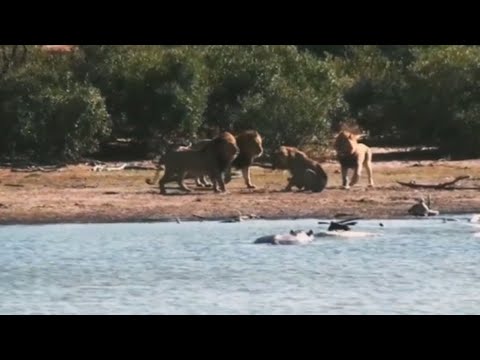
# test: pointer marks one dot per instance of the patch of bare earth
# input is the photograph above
(77, 194)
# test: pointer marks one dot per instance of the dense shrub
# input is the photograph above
(152, 90)
(444, 95)
(47, 113)
(67, 105)
(283, 93)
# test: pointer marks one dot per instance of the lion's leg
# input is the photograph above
(358, 170)
(291, 183)
(356, 176)
(228, 175)
(204, 181)
(221, 183)
(155, 178)
(370, 175)
(345, 177)
(247, 178)
(167, 177)
(181, 182)
(199, 181)
(216, 177)
(368, 165)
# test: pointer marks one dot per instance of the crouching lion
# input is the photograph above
(251, 147)
(353, 155)
(212, 159)
(307, 174)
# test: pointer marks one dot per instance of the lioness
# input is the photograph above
(353, 155)
(250, 144)
(200, 178)
(213, 159)
(307, 174)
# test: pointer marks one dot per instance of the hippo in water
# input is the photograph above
(293, 238)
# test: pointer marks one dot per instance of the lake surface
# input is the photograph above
(411, 267)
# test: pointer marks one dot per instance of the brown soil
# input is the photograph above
(77, 194)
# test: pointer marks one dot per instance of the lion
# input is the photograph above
(307, 174)
(250, 144)
(212, 159)
(353, 155)
(200, 179)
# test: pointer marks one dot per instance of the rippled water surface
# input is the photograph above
(411, 267)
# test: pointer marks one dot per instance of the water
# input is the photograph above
(413, 267)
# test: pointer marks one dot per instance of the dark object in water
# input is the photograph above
(344, 225)
(292, 238)
(295, 233)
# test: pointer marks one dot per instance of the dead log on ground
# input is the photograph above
(443, 186)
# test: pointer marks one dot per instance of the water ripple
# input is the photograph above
(414, 267)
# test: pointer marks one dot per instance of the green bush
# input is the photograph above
(443, 97)
(67, 105)
(46, 113)
(285, 94)
(423, 95)
(152, 91)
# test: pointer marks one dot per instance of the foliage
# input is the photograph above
(46, 113)
(67, 105)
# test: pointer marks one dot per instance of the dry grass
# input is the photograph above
(77, 194)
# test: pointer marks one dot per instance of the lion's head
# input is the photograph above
(250, 143)
(346, 143)
(281, 158)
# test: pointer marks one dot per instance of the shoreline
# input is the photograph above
(78, 195)
(219, 219)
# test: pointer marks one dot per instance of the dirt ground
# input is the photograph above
(79, 195)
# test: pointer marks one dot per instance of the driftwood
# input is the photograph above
(139, 167)
(443, 186)
(98, 168)
(125, 166)
(38, 169)
(14, 185)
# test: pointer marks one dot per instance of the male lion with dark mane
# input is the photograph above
(353, 155)
(250, 145)
(307, 174)
(212, 159)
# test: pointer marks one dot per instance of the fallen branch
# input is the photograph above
(125, 166)
(139, 167)
(98, 168)
(38, 169)
(446, 185)
(14, 185)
